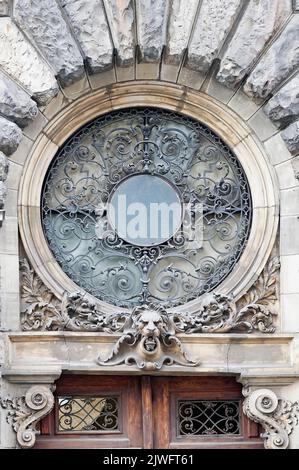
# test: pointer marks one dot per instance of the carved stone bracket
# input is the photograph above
(3, 190)
(278, 417)
(25, 412)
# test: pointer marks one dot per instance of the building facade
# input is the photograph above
(117, 329)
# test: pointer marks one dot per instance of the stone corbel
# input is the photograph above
(278, 417)
(26, 411)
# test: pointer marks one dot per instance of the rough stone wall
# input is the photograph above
(46, 43)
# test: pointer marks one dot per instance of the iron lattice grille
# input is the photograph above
(86, 171)
(88, 414)
(204, 418)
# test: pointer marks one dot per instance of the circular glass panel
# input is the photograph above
(150, 156)
(145, 210)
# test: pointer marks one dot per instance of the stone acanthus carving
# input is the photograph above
(3, 189)
(278, 417)
(25, 412)
(216, 313)
(149, 341)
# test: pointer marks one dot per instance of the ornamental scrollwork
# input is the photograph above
(203, 172)
(221, 314)
(216, 313)
(26, 411)
(149, 332)
(278, 417)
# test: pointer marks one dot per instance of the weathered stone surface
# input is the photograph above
(21, 61)
(291, 137)
(277, 64)
(15, 104)
(3, 188)
(120, 15)
(296, 5)
(181, 17)
(10, 136)
(214, 22)
(90, 27)
(5, 7)
(151, 21)
(295, 166)
(42, 21)
(284, 106)
(3, 166)
(261, 20)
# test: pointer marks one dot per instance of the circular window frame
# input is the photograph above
(223, 121)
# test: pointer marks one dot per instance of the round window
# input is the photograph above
(146, 205)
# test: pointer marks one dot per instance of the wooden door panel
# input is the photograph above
(129, 432)
(168, 391)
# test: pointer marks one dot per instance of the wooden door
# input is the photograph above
(148, 412)
(79, 399)
(201, 412)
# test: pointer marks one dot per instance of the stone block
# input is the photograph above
(9, 236)
(277, 63)
(35, 127)
(262, 125)
(289, 310)
(20, 155)
(276, 149)
(151, 21)
(15, 104)
(80, 87)
(91, 30)
(261, 20)
(289, 274)
(289, 203)
(215, 20)
(284, 106)
(10, 136)
(181, 18)
(43, 22)
(191, 78)
(244, 106)
(102, 79)
(286, 175)
(14, 175)
(290, 136)
(121, 22)
(22, 63)
(289, 242)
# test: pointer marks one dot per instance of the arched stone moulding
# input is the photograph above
(222, 120)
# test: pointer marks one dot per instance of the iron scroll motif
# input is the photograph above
(208, 418)
(88, 168)
(88, 414)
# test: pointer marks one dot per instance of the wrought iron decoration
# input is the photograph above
(88, 168)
